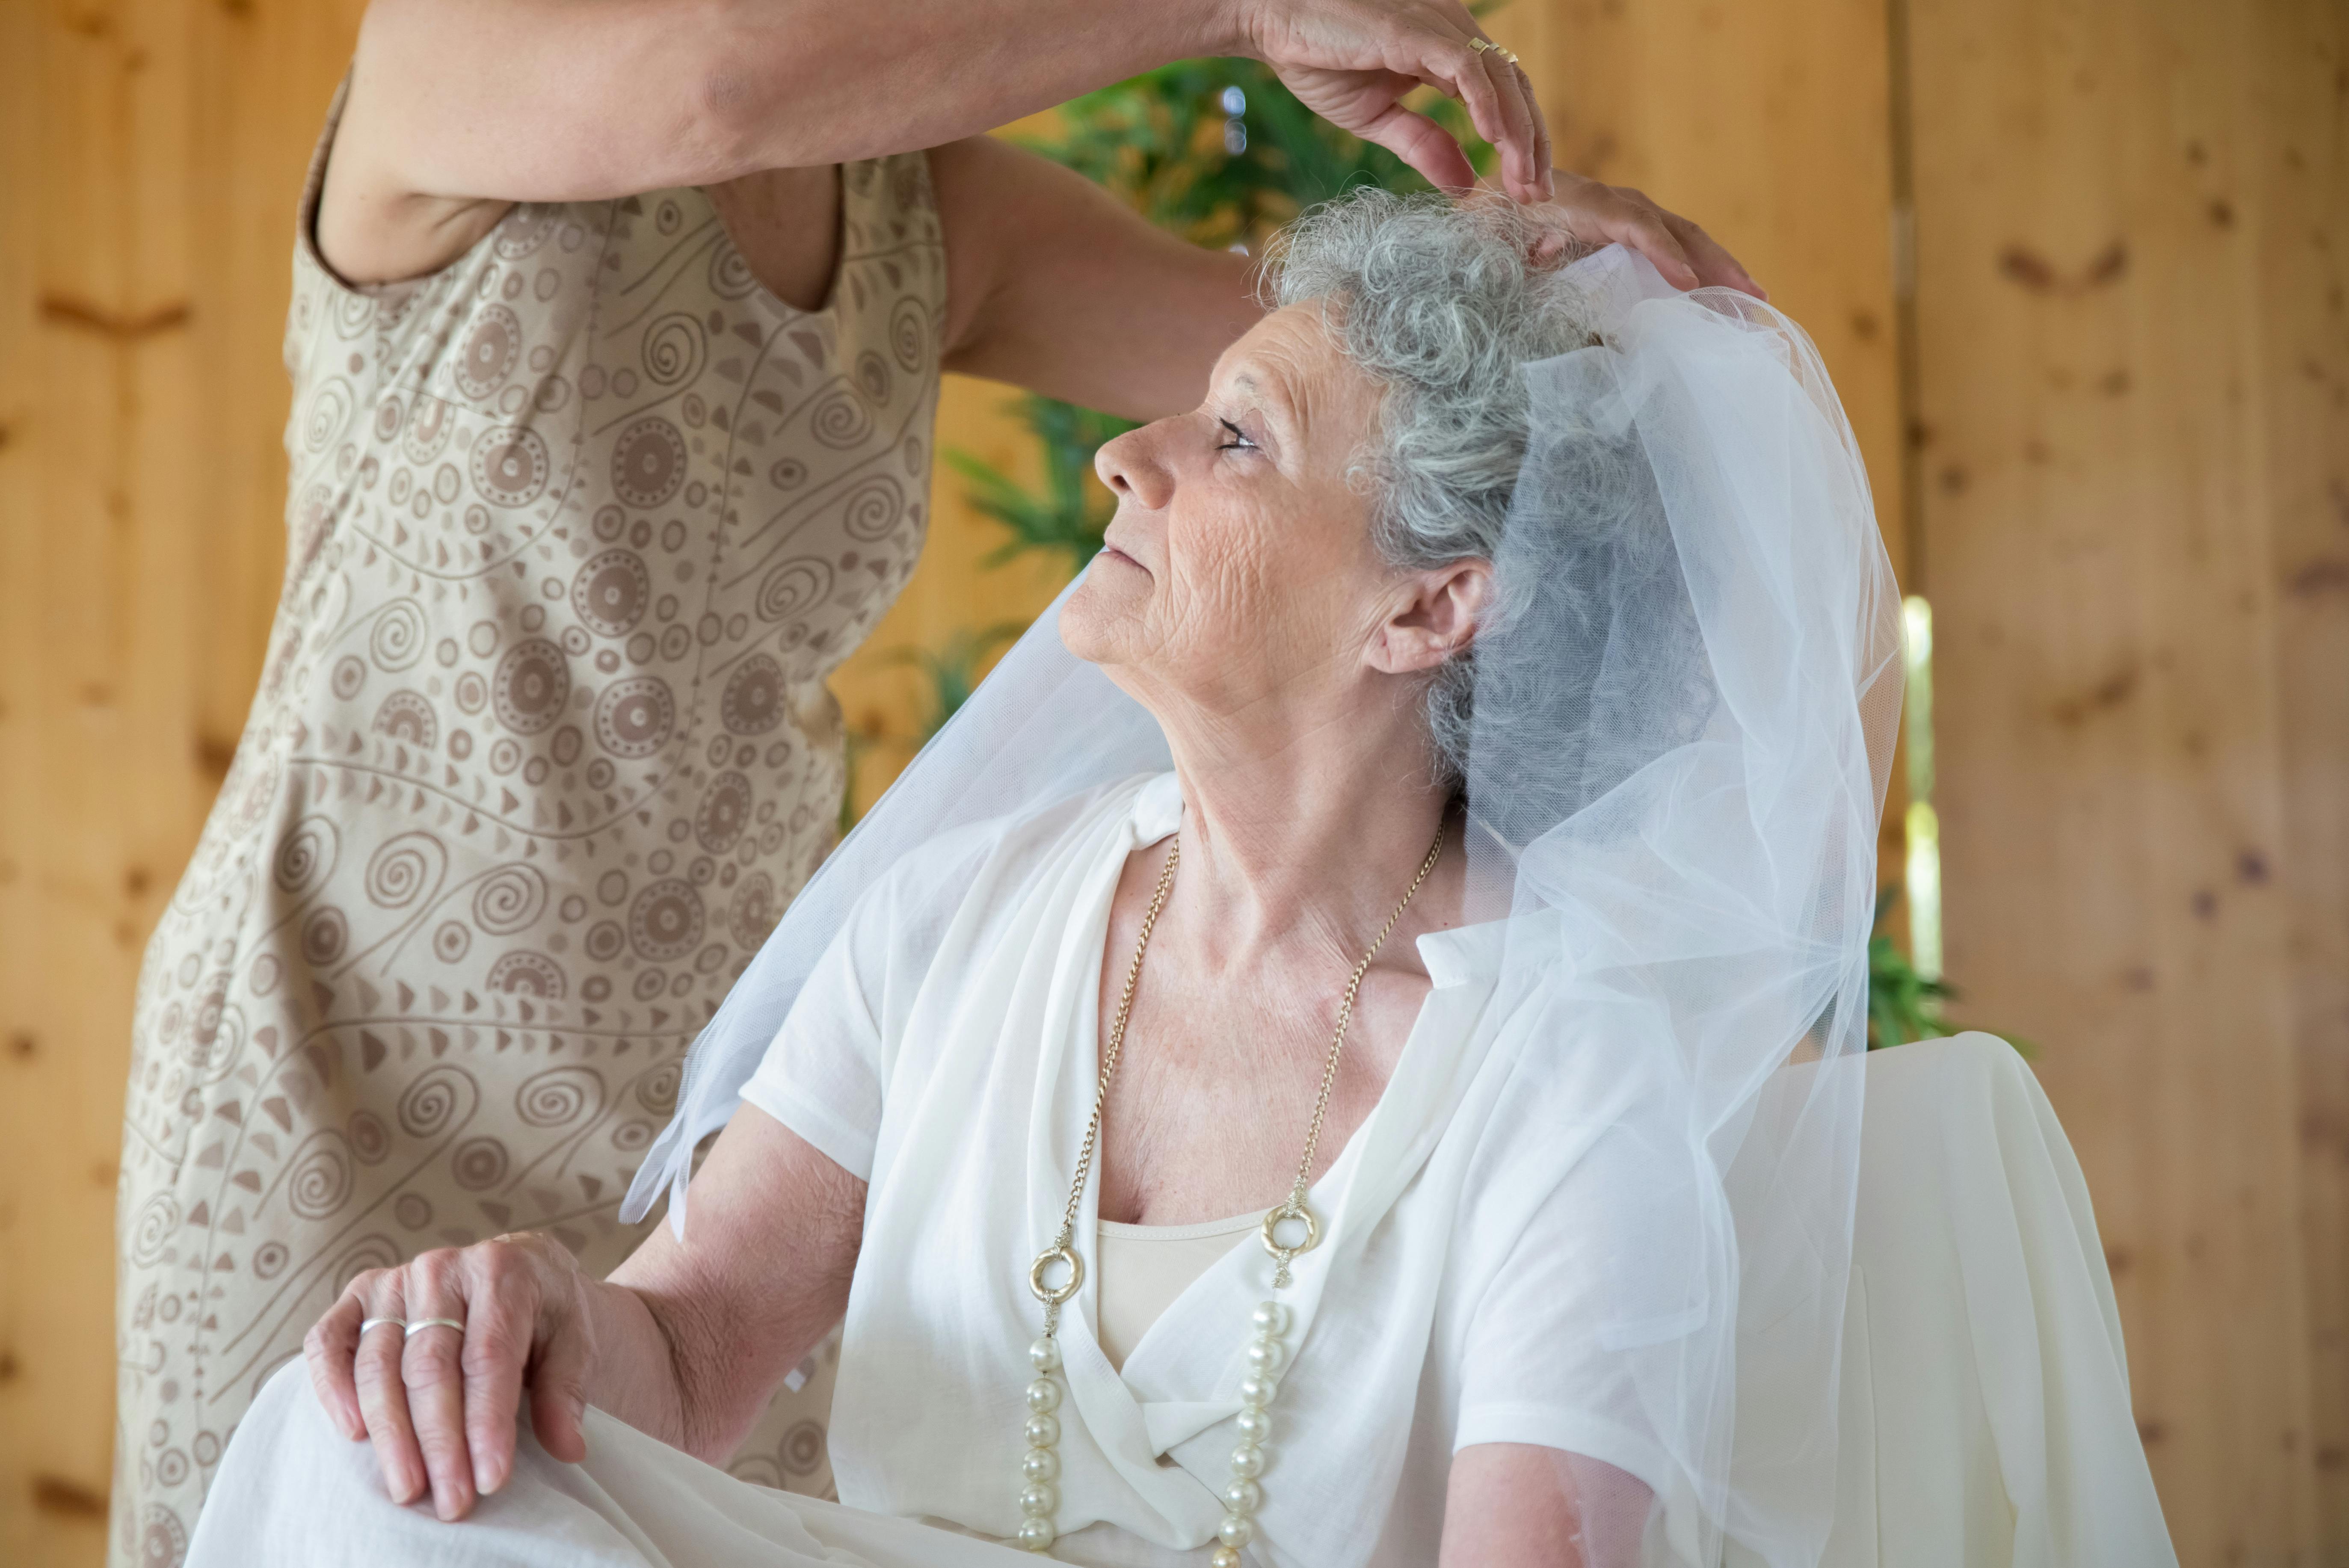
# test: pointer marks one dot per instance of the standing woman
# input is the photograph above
(616, 339)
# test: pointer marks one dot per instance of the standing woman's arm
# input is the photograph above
(459, 107)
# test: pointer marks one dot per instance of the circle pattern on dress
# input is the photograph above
(610, 592)
(533, 683)
(510, 466)
(665, 921)
(753, 703)
(634, 718)
(491, 349)
(648, 462)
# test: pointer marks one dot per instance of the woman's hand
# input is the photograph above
(1352, 61)
(1594, 214)
(439, 1402)
(686, 1341)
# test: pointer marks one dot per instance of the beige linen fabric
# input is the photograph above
(577, 528)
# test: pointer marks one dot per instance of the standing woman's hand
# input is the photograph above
(1352, 61)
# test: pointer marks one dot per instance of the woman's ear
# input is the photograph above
(1434, 616)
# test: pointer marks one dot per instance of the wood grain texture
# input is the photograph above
(2129, 232)
(151, 151)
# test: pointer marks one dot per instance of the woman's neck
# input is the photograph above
(1311, 837)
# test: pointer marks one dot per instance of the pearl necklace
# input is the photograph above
(1040, 1468)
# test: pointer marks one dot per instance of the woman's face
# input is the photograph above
(1239, 570)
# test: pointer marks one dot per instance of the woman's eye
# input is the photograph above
(1239, 441)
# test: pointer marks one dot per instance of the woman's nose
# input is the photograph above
(1131, 466)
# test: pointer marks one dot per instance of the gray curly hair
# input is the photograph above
(1441, 302)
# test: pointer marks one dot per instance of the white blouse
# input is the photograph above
(1466, 1289)
(1143, 1268)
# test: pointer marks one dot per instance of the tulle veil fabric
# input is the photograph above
(1684, 712)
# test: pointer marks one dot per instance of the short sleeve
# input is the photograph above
(825, 1075)
(1592, 1302)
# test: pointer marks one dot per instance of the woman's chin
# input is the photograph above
(1097, 617)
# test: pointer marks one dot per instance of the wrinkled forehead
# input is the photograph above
(1291, 368)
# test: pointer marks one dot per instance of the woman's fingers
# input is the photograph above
(1523, 168)
(329, 1349)
(1602, 214)
(1712, 262)
(1687, 256)
(383, 1396)
(431, 1367)
(1426, 146)
(558, 1387)
(500, 1327)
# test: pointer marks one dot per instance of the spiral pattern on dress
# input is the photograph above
(792, 588)
(404, 869)
(841, 419)
(329, 411)
(656, 1091)
(398, 637)
(908, 327)
(431, 1102)
(157, 1219)
(320, 1179)
(557, 1096)
(306, 856)
(873, 509)
(729, 275)
(509, 898)
(674, 349)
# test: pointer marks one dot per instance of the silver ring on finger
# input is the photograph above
(366, 1324)
(414, 1323)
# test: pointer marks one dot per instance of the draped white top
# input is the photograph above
(1468, 1287)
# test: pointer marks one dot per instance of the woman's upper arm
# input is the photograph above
(459, 108)
(1044, 267)
(1518, 1505)
(761, 1275)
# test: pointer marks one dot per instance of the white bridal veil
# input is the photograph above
(1684, 721)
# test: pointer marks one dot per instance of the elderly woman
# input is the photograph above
(1324, 1151)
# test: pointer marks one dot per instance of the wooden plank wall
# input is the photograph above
(2132, 224)
(150, 151)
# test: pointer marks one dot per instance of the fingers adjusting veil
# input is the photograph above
(1683, 715)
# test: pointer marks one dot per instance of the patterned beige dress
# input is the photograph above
(578, 526)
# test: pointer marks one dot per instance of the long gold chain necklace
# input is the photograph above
(1040, 1468)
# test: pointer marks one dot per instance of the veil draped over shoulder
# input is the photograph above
(1683, 719)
